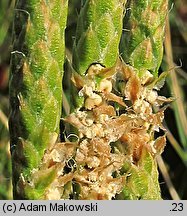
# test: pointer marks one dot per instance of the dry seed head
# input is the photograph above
(87, 90)
(89, 122)
(105, 86)
(93, 162)
(94, 131)
(151, 96)
(103, 118)
(94, 69)
(80, 157)
(98, 126)
(133, 88)
(92, 102)
(146, 78)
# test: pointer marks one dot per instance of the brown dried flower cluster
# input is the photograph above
(120, 115)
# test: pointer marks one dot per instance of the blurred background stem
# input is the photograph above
(178, 105)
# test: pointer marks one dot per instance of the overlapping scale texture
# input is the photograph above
(99, 30)
(35, 84)
(142, 41)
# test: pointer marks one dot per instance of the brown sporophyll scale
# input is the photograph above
(111, 148)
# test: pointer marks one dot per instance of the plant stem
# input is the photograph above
(35, 91)
(142, 42)
(179, 110)
(99, 29)
(166, 176)
(142, 49)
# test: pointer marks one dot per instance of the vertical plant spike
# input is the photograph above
(142, 42)
(142, 49)
(115, 151)
(35, 93)
(98, 33)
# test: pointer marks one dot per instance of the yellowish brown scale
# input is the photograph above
(99, 126)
